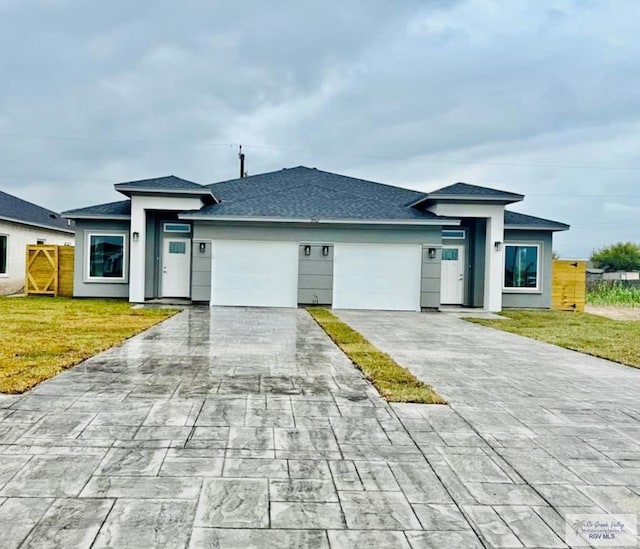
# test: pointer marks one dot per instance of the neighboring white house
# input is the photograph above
(23, 223)
(621, 275)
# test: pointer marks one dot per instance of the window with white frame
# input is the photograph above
(4, 244)
(106, 256)
(521, 266)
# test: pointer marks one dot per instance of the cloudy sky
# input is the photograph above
(536, 97)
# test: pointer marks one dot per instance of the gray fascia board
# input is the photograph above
(95, 216)
(515, 197)
(155, 191)
(418, 222)
(537, 227)
(39, 225)
(461, 198)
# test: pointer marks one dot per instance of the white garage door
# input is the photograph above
(377, 276)
(254, 274)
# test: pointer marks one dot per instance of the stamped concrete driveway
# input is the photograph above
(235, 428)
(241, 428)
(533, 432)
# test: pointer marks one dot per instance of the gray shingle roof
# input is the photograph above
(465, 190)
(516, 220)
(15, 209)
(167, 185)
(169, 182)
(306, 193)
(112, 209)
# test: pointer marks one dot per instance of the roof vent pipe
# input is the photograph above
(243, 173)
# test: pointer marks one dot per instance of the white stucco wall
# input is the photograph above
(139, 207)
(493, 262)
(19, 237)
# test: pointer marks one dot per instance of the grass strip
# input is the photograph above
(393, 382)
(42, 336)
(615, 340)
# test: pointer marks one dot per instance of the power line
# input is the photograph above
(38, 178)
(115, 139)
(324, 153)
(598, 225)
(607, 195)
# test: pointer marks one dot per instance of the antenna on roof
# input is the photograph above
(243, 173)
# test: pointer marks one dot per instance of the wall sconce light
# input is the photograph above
(497, 245)
(136, 236)
(202, 247)
(325, 250)
(431, 252)
(307, 250)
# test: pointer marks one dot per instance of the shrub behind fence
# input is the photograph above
(614, 292)
(595, 285)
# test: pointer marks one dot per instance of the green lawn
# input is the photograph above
(393, 382)
(594, 335)
(43, 336)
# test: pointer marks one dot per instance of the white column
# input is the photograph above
(137, 252)
(493, 268)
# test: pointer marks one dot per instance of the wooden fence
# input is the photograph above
(569, 285)
(49, 270)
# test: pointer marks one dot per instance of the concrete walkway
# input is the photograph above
(533, 432)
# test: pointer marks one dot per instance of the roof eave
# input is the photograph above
(39, 225)
(553, 228)
(466, 198)
(480, 198)
(71, 215)
(412, 222)
(206, 194)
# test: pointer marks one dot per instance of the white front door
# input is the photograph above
(377, 276)
(452, 275)
(176, 267)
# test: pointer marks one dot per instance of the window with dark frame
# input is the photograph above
(4, 240)
(521, 266)
(106, 256)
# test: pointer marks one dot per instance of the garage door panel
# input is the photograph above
(254, 273)
(377, 276)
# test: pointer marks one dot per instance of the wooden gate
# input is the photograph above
(569, 285)
(49, 270)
